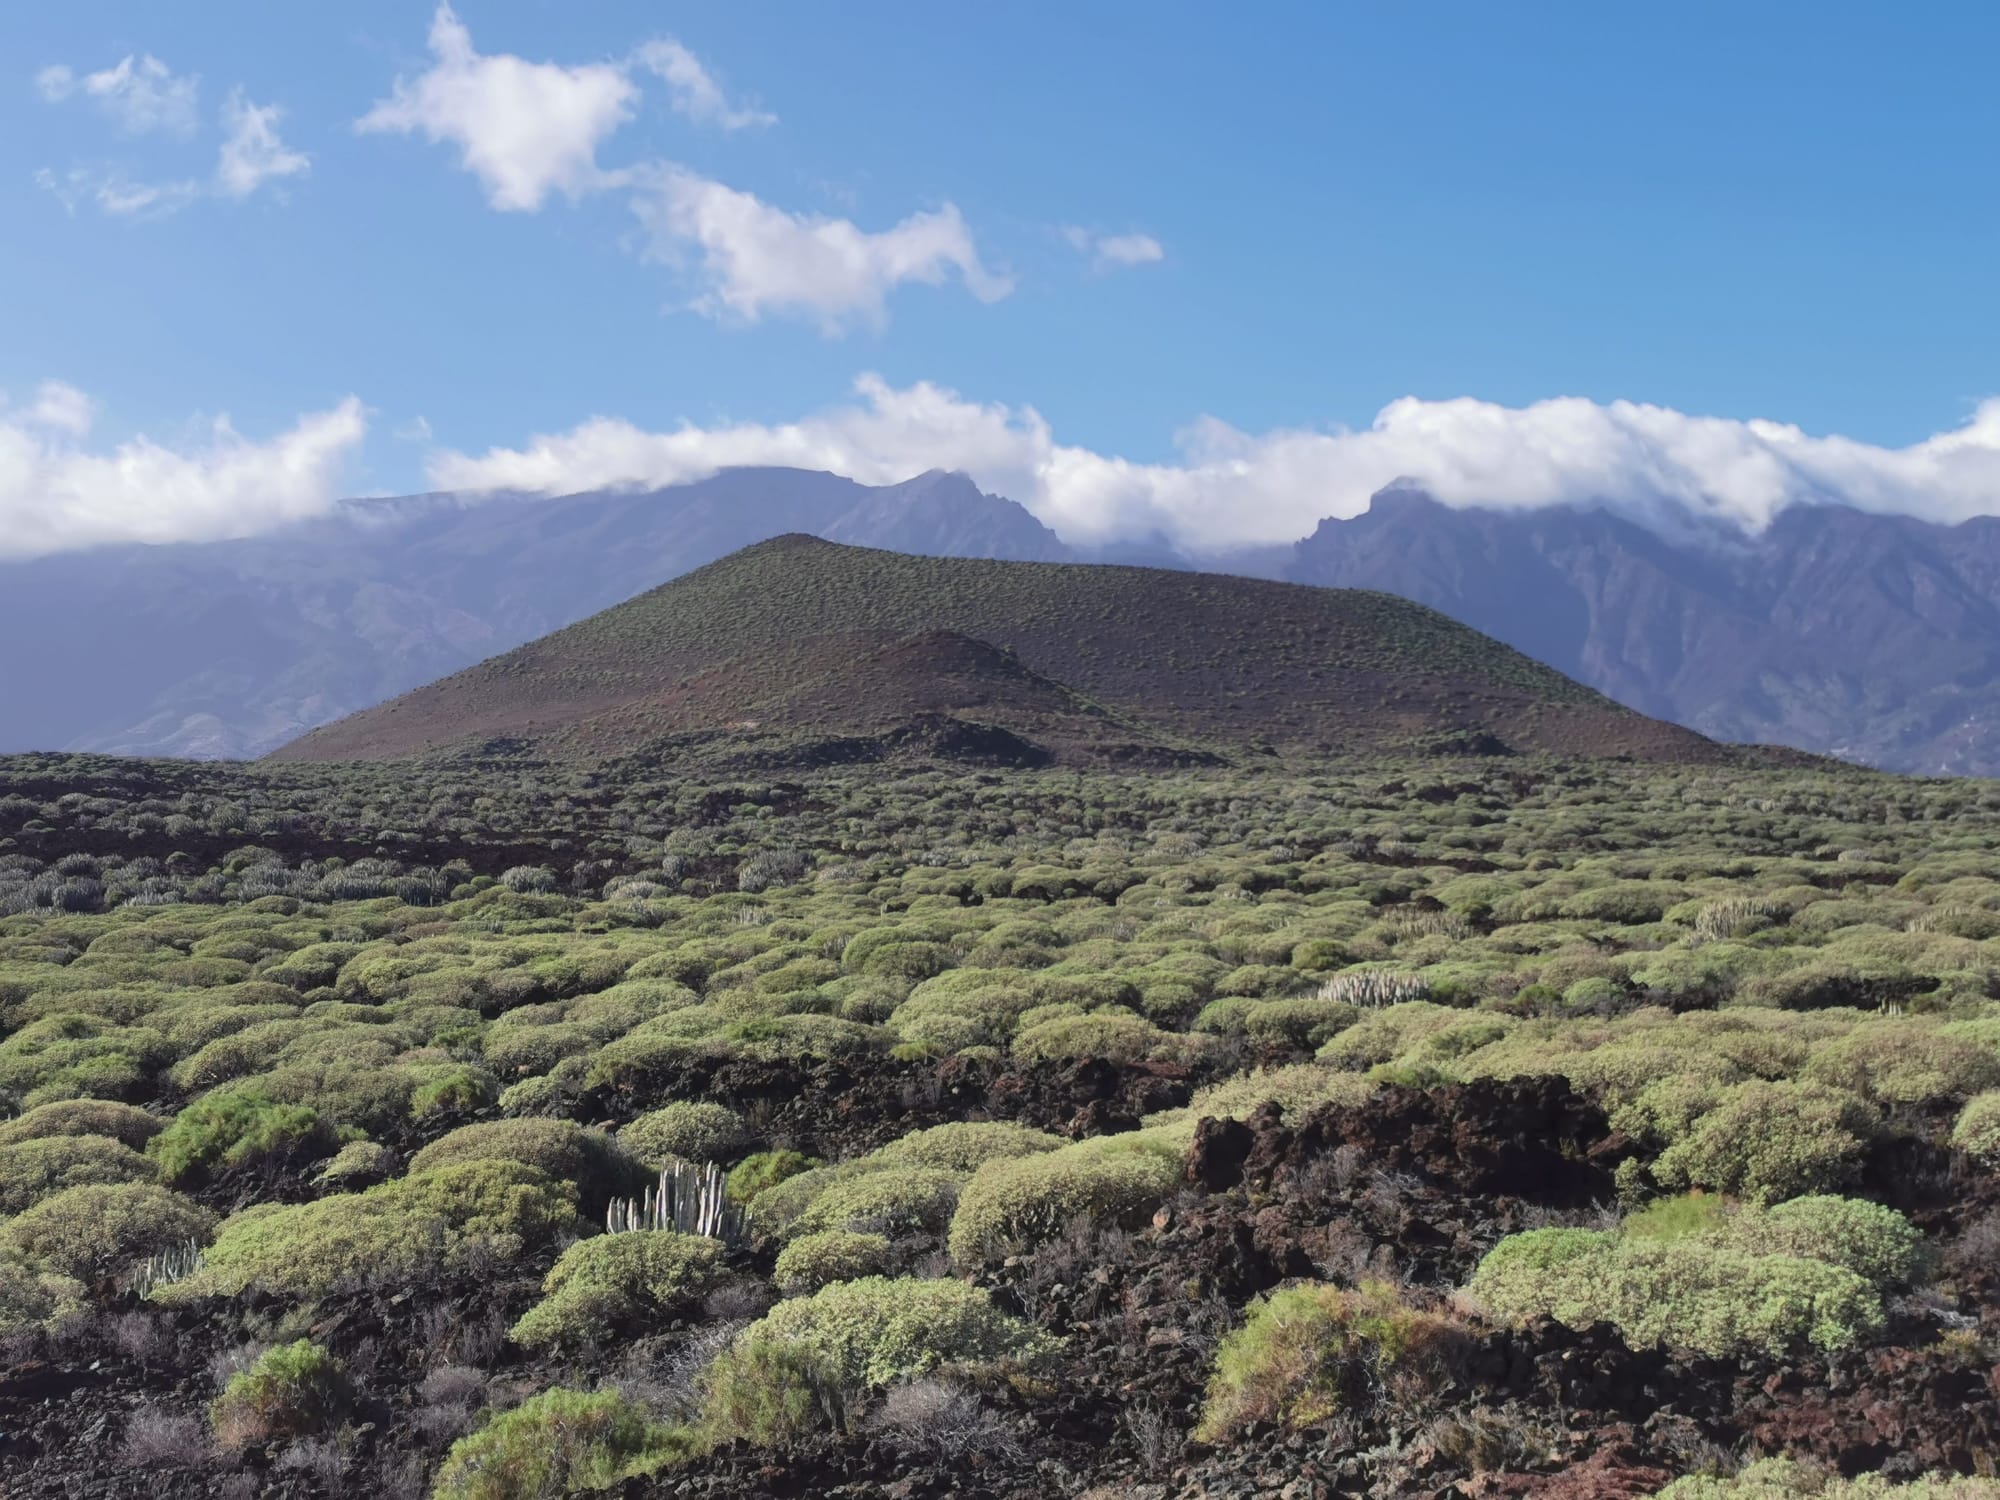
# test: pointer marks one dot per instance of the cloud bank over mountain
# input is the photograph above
(58, 493)
(1224, 488)
(1228, 488)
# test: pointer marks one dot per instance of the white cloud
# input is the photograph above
(527, 130)
(755, 259)
(118, 195)
(56, 495)
(694, 90)
(63, 407)
(1230, 488)
(140, 94)
(252, 154)
(524, 129)
(1112, 252)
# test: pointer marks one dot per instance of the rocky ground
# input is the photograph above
(1413, 1188)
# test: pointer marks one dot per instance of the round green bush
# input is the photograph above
(828, 1255)
(762, 1170)
(1977, 1132)
(125, 1123)
(1771, 1141)
(964, 1146)
(87, 1232)
(855, 1336)
(1026, 1199)
(239, 1126)
(1687, 1293)
(32, 1170)
(292, 1391)
(1306, 1351)
(616, 1280)
(598, 1167)
(561, 1442)
(895, 1201)
(695, 1132)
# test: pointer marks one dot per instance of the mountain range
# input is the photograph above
(799, 648)
(1870, 637)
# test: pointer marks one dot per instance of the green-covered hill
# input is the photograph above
(802, 637)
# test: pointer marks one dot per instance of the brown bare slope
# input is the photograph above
(802, 635)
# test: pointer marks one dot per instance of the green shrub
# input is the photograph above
(1876, 1243)
(964, 1146)
(895, 1201)
(292, 1391)
(455, 1090)
(1786, 1479)
(125, 1123)
(397, 1232)
(1306, 1351)
(34, 1169)
(617, 1280)
(1977, 1132)
(1118, 1036)
(828, 1255)
(566, 1151)
(1308, 1022)
(1770, 1141)
(239, 1126)
(561, 1442)
(1687, 1293)
(762, 1170)
(804, 1356)
(355, 1161)
(1027, 1199)
(690, 1131)
(87, 1232)
(31, 1298)
(1905, 1062)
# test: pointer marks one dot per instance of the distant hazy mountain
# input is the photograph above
(231, 648)
(1874, 638)
(799, 644)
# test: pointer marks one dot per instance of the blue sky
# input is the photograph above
(1779, 212)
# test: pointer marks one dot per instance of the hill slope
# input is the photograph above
(1871, 637)
(801, 635)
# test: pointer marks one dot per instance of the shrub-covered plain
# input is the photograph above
(1027, 1131)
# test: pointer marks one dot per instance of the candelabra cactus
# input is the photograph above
(168, 1266)
(688, 1198)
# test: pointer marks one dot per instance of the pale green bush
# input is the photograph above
(125, 1123)
(598, 1166)
(32, 1170)
(966, 1145)
(1770, 1141)
(1024, 1200)
(391, 1233)
(87, 1232)
(617, 1280)
(1686, 1292)
(1977, 1132)
(1305, 1352)
(784, 1371)
(561, 1442)
(814, 1260)
(695, 1132)
(1787, 1479)
(891, 1200)
(292, 1391)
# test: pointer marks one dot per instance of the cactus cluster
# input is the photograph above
(688, 1198)
(165, 1267)
(1373, 988)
